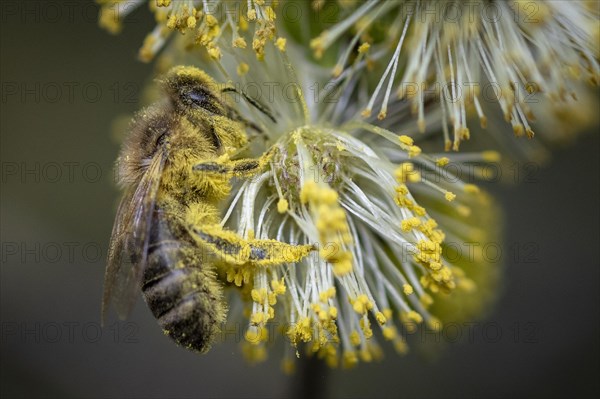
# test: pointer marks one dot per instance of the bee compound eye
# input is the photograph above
(200, 98)
(197, 97)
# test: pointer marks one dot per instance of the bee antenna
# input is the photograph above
(252, 101)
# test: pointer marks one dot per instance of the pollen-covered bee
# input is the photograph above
(175, 167)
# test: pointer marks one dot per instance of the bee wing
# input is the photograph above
(128, 250)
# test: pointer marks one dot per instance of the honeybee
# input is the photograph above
(175, 167)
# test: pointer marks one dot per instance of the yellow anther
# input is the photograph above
(435, 266)
(414, 316)
(387, 312)
(419, 210)
(434, 323)
(471, 189)
(214, 53)
(491, 156)
(308, 191)
(450, 196)
(389, 333)
(443, 161)
(278, 286)
(381, 319)
(365, 326)
(414, 151)
(359, 307)
(258, 295)
(257, 318)
(191, 22)
(404, 139)
(269, 13)
(406, 173)
(426, 300)
(342, 268)
(239, 42)
(242, 68)
(333, 312)
(211, 21)
(400, 346)
(280, 44)
(323, 316)
(350, 359)
(254, 335)
(362, 304)
(323, 296)
(467, 285)
(408, 289)
(243, 23)
(363, 48)
(402, 189)
(282, 205)
(365, 355)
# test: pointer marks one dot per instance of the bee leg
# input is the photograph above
(242, 168)
(233, 249)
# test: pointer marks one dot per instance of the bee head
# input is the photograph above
(192, 90)
(196, 96)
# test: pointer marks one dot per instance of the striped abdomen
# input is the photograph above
(179, 288)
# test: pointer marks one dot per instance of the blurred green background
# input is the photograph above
(65, 81)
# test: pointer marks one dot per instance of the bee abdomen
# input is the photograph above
(162, 294)
(182, 293)
(192, 323)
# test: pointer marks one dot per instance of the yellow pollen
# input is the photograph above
(364, 48)
(282, 205)
(350, 359)
(278, 286)
(414, 316)
(239, 42)
(387, 312)
(280, 44)
(191, 22)
(333, 312)
(491, 156)
(214, 53)
(404, 139)
(443, 161)
(426, 300)
(414, 151)
(389, 333)
(471, 189)
(242, 69)
(406, 173)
